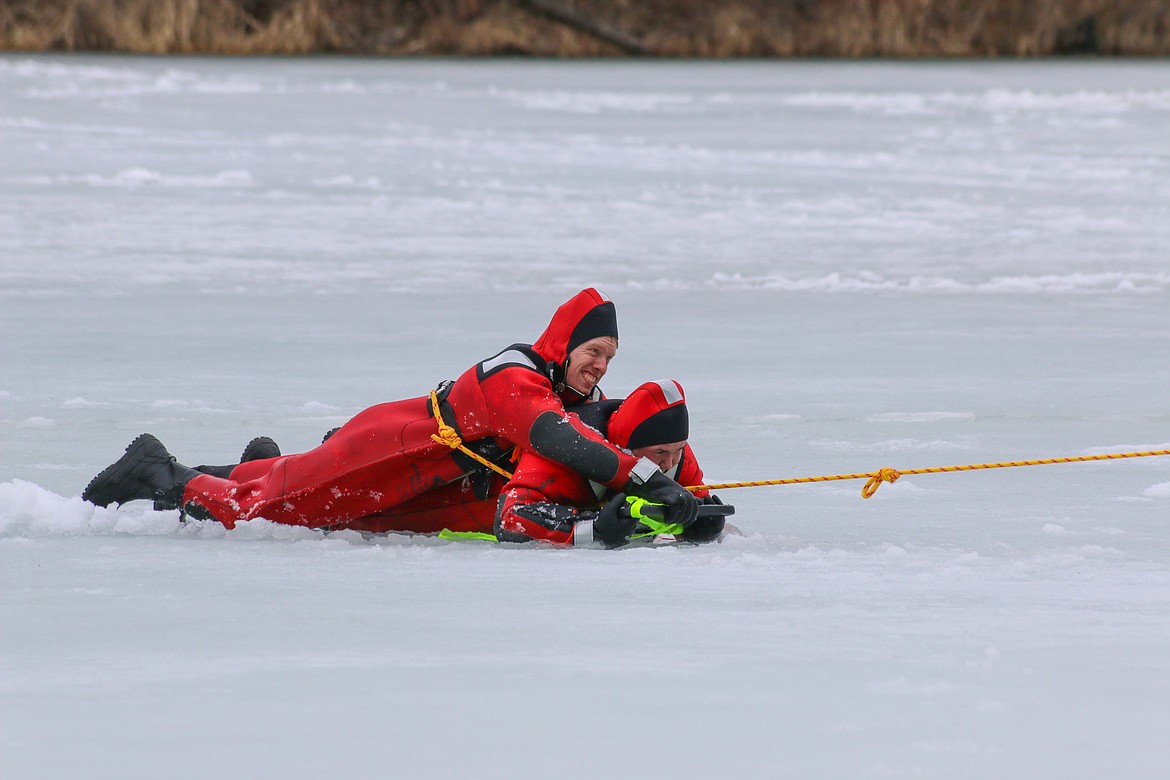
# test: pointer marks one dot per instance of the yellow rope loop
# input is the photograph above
(446, 435)
(876, 480)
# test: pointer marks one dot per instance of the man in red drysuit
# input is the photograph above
(385, 457)
(548, 502)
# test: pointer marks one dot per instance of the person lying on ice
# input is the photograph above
(549, 502)
(389, 455)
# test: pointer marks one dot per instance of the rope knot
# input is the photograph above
(447, 435)
(876, 480)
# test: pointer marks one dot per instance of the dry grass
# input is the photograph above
(672, 28)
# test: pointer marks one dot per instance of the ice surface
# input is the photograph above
(848, 266)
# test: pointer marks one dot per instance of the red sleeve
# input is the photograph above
(522, 519)
(542, 502)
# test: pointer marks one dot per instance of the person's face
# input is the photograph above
(666, 456)
(589, 362)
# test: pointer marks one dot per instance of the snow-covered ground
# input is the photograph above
(848, 266)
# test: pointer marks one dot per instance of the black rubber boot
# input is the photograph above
(260, 448)
(145, 471)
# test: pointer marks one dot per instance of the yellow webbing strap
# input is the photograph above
(466, 536)
(655, 527)
(875, 479)
(450, 437)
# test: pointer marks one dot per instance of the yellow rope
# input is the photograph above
(450, 437)
(875, 479)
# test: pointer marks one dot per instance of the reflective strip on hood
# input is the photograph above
(670, 391)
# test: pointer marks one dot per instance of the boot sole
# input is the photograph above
(260, 448)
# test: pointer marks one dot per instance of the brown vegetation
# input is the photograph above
(593, 28)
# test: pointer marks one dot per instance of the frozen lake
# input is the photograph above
(847, 266)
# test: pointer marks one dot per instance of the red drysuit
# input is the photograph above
(544, 500)
(381, 471)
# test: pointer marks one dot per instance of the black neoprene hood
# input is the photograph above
(665, 427)
(600, 321)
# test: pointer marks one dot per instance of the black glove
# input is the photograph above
(706, 529)
(614, 526)
(681, 505)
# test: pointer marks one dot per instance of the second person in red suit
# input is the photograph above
(545, 501)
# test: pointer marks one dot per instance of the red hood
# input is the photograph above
(553, 344)
(655, 413)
